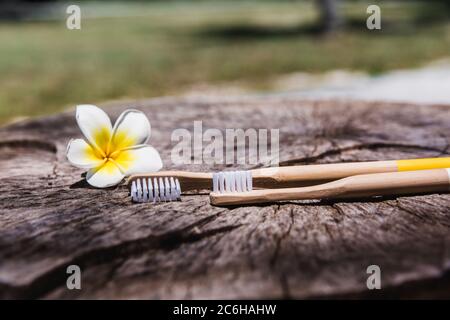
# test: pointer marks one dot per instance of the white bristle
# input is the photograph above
(144, 191)
(243, 180)
(156, 187)
(172, 189)
(151, 196)
(139, 190)
(155, 190)
(239, 186)
(232, 181)
(215, 182)
(167, 189)
(162, 190)
(249, 180)
(134, 191)
(177, 188)
(228, 182)
(222, 181)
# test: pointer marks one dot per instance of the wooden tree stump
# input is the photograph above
(50, 218)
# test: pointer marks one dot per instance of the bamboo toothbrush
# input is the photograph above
(367, 185)
(167, 185)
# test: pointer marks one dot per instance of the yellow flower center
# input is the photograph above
(109, 149)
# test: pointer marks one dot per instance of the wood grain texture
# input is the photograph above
(50, 218)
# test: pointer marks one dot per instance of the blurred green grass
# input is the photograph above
(163, 48)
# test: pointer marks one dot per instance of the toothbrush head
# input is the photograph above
(161, 188)
(232, 181)
(157, 189)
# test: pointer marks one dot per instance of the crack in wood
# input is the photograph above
(29, 143)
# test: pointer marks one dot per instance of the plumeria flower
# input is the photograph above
(111, 153)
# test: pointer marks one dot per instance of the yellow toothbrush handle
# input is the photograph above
(423, 164)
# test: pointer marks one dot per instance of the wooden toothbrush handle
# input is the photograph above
(367, 185)
(319, 173)
(397, 183)
(276, 177)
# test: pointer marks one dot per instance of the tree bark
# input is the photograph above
(330, 19)
(50, 218)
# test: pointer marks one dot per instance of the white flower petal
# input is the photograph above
(95, 125)
(81, 155)
(131, 128)
(104, 176)
(138, 159)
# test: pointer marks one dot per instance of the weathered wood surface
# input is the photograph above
(50, 218)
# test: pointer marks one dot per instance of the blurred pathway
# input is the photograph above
(430, 84)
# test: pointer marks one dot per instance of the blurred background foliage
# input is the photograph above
(144, 49)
